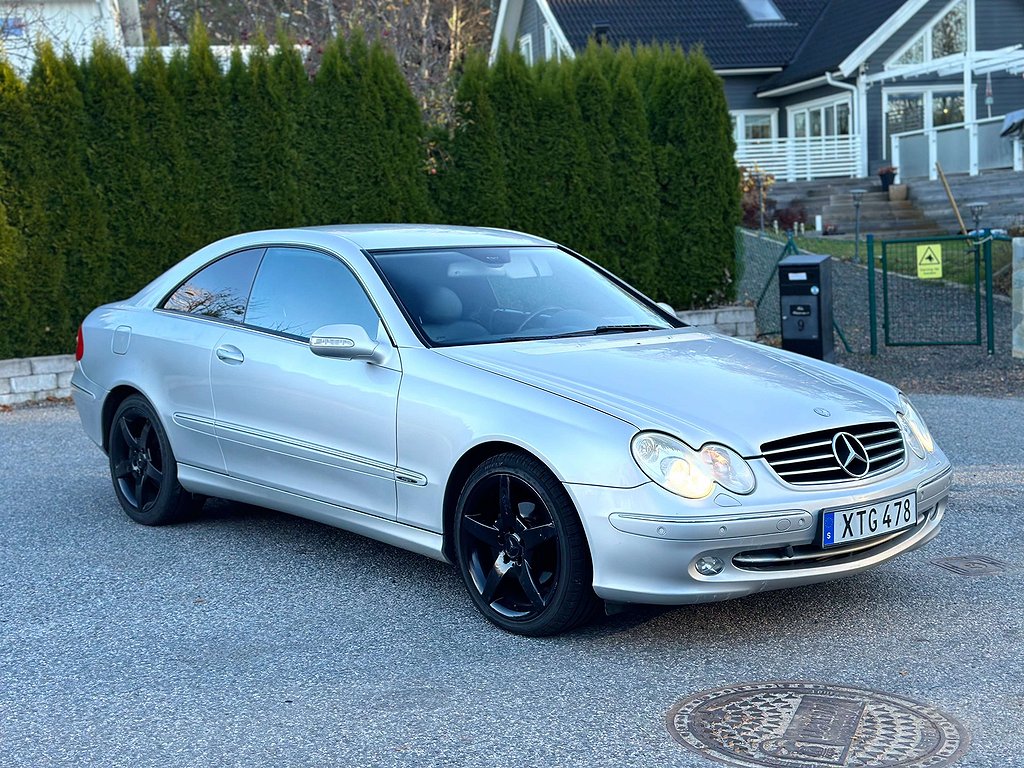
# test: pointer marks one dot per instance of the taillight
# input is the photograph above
(79, 345)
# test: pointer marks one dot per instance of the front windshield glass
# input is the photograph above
(484, 295)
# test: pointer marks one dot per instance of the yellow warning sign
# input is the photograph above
(929, 261)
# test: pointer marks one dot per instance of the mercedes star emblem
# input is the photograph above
(851, 454)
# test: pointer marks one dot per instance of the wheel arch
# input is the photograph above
(463, 468)
(111, 403)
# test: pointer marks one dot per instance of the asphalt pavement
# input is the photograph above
(250, 638)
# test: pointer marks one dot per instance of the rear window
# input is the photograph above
(219, 290)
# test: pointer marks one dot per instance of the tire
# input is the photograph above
(143, 468)
(521, 548)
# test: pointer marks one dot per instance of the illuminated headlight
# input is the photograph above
(915, 429)
(692, 474)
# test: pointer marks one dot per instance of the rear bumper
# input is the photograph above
(88, 397)
(645, 542)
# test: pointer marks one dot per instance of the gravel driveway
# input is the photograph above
(249, 638)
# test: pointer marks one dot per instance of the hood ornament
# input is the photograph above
(822, 412)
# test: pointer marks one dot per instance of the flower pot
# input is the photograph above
(887, 180)
(898, 192)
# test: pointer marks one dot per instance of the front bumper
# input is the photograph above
(645, 541)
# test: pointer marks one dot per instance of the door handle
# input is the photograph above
(230, 354)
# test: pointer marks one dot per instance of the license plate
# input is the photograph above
(841, 526)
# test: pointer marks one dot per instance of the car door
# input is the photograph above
(174, 358)
(318, 427)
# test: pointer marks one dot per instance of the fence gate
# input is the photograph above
(932, 292)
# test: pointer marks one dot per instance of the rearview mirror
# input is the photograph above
(347, 342)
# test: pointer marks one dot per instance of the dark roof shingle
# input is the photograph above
(840, 28)
(730, 38)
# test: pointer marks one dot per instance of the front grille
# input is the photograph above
(814, 556)
(809, 459)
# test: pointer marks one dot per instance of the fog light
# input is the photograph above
(708, 565)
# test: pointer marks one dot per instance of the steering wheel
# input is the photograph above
(534, 315)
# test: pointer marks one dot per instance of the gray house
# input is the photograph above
(825, 88)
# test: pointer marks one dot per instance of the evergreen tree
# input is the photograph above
(558, 162)
(715, 183)
(288, 81)
(208, 141)
(513, 95)
(332, 140)
(116, 167)
(597, 217)
(634, 200)
(473, 183)
(69, 247)
(676, 211)
(15, 318)
(165, 193)
(404, 195)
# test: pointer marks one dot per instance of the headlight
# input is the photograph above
(915, 429)
(692, 474)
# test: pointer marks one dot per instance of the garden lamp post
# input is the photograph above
(858, 196)
(976, 210)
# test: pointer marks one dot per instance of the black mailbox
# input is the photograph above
(805, 299)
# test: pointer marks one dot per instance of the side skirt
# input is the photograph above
(388, 531)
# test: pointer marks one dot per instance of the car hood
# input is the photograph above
(699, 386)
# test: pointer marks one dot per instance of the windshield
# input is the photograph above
(484, 295)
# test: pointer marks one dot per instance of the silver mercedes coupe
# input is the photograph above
(494, 400)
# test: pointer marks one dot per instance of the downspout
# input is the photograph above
(859, 121)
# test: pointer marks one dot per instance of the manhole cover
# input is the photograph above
(976, 565)
(808, 725)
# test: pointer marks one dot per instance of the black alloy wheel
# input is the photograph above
(521, 548)
(143, 467)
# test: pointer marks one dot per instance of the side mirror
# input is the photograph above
(667, 307)
(348, 342)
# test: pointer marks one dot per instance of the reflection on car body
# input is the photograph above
(489, 398)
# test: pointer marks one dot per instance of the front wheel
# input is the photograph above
(521, 548)
(143, 468)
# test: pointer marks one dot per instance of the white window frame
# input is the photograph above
(925, 32)
(739, 134)
(928, 92)
(552, 50)
(826, 102)
(526, 47)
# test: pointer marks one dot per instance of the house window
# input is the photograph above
(762, 10)
(945, 36)
(754, 125)
(551, 49)
(947, 109)
(921, 109)
(526, 47)
(818, 119)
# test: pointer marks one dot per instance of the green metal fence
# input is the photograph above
(935, 291)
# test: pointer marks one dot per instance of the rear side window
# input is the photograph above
(299, 290)
(219, 290)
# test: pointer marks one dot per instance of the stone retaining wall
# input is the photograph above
(732, 321)
(36, 378)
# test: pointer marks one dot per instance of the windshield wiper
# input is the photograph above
(627, 328)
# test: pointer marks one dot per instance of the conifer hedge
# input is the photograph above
(109, 176)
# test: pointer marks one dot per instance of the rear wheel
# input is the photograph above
(143, 468)
(521, 548)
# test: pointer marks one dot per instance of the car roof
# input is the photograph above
(373, 237)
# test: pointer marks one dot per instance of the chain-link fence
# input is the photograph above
(760, 254)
